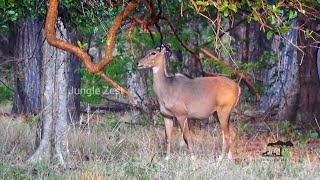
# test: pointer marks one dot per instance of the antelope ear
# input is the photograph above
(162, 48)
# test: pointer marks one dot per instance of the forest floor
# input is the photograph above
(107, 146)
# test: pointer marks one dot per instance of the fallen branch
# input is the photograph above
(105, 108)
(117, 102)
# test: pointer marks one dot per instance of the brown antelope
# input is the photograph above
(181, 97)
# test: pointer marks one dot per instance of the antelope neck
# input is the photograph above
(160, 71)
(160, 76)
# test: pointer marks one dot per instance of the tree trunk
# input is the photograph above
(294, 95)
(53, 140)
(309, 95)
(27, 50)
(74, 81)
(240, 35)
(318, 61)
(281, 98)
(138, 88)
(193, 65)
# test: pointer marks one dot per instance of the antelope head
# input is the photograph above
(153, 59)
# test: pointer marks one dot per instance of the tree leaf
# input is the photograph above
(222, 8)
(79, 44)
(292, 14)
(226, 12)
(283, 30)
(273, 19)
(233, 7)
(269, 34)
(199, 2)
(11, 12)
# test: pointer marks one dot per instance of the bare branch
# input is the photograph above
(237, 73)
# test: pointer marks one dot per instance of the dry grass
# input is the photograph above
(105, 149)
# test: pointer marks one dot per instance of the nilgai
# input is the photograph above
(181, 98)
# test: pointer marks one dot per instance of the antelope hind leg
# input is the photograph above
(223, 116)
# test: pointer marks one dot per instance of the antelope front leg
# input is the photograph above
(183, 122)
(168, 123)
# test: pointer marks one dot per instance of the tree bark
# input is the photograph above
(74, 82)
(27, 51)
(193, 65)
(53, 140)
(138, 88)
(240, 35)
(281, 98)
(309, 95)
(318, 60)
(294, 95)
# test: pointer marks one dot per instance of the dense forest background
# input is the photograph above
(60, 59)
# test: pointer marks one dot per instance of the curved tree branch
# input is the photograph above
(92, 68)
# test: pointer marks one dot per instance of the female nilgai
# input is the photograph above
(181, 97)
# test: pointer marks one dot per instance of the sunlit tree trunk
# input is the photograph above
(294, 82)
(27, 50)
(138, 88)
(281, 82)
(53, 136)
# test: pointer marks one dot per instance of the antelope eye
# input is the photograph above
(153, 53)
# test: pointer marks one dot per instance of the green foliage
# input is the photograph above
(275, 17)
(113, 122)
(8, 14)
(288, 128)
(90, 82)
(286, 152)
(82, 46)
(307, 136)
(33, 121)
(2, 168)
(175, 66)
(243, 127)
(12, 11)
(304, 139)
(6, 94)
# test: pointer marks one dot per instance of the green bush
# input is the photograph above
(6, 94)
